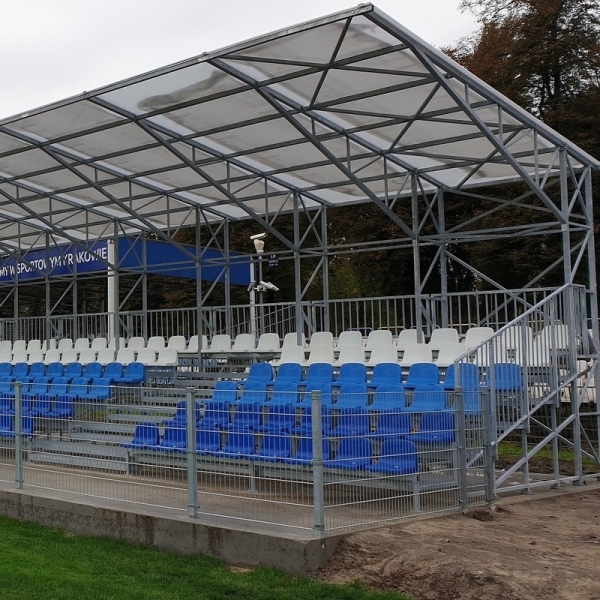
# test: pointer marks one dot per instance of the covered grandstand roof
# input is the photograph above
(342, 109)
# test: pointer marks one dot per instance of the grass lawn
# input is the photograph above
(39, 562)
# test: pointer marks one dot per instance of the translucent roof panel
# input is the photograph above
(341, 110)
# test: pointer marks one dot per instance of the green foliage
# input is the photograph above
(49, 564)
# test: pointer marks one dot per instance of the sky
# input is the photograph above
(53, 49)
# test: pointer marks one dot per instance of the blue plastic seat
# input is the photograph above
(352, 395)
(385, 373)
(113, 371)
(351, 373)
(174, 439)
(7, 394)
(135, 374)
(291, 372)
(305, 427)
(281, 417)
(78, 388)
(261, 371)
(254, 392)
(326, 395)
(468, 375)
(389, 396)
(247, 417)
(37, 369)
(6, 371)
(274, 448)
(304, 452)
(216, 415)
(93, 370)
(427, 398)
(146, 436)
(225, 391)
(42, 406)
(398, 457)
(352, 422)
(99, 390)
(20, 372)
(395, 422)
(55, 370)
(436, 428)
(37, 390)
(353, 453)
(63, 408)
(207, 441)
(422, 374)
(7, 424)
(508, 377)
(59, 387)
(73, 370)
(238, 445)
(180, 418)
(319, 373)
(284, 392)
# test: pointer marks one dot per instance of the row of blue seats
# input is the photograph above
(506, 376)
(426, 397)
(133, 374)
(398, 455)
(283, 418)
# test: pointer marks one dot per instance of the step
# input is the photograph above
(104, 427)
(69, 448)
(106, 438)
(80, 461)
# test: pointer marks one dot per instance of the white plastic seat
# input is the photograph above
(125, 356)
(349, 338)
(444, 336)
(244, 342)
(86, 356)
(448, 353)
(35, 356)
(513, 337)
(6, 356)
(538, 354)
(268, 342)
(33, 346)
(157, 342)
(19, 346)
(68, 355)
(167, 357)
(351, 354)
(407, 337)
(477, 335)
(320, 354)
(555, 337)
(81, 344)
(136, 343)
(52, 355)
(6, 345)
(193, 344)
(416, 353)
(65, 344)
(112, 344)
(19, 356)
(291, 339)
(321, 338)
(379, 337)
(105, 356)
(482, 356)
(48, 345)
(290, 354)
(383, 353)
(147, 356)
(220, 343)
(99, 343)
(177, 342)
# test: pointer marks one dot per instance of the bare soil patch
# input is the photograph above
(548, 548)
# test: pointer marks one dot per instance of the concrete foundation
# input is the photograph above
(239, 547)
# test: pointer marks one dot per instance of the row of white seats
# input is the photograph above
(165, 357)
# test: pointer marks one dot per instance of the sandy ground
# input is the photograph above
(544, 548)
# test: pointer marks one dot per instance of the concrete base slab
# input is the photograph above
(238, 547)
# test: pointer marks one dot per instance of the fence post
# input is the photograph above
(489, 447)
(317, 445)
(192, 471)
(19, 434)
(463, 485)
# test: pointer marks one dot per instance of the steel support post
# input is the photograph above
(75, 328)
(117, 325)
(192, 467)
(298, 272)
(443, 258)
(144, 288)
(317, 445)
(325, 270)
(489, 445)
(525, 405)
(48, 329)
(19, 434)
(417, 258)
(198, 261)
(16, 332)
(228, 315)
(463, 484)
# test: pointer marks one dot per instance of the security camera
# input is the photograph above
(269, 286)
(251, 286)
(258, 236)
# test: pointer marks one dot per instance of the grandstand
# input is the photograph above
(318, 416)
